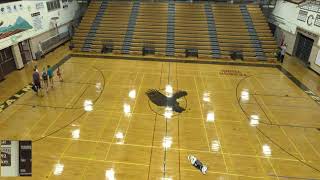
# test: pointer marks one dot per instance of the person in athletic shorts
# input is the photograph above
(196, 163)
(36, 80)
(50, 74)
(45, 78)
(59, 74)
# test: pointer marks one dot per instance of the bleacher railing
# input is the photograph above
(52, 42)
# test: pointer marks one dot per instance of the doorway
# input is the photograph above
(7, 63)
(25, 51)
(1, 74)
(304, 47)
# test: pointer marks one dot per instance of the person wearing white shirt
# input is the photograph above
(283, 52)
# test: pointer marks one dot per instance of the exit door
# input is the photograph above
(304, 48)
(25, 51)
(1, 74)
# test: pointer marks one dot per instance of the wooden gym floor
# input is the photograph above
(243, 122)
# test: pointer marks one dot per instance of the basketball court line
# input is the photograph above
(265, 135)
(312, 146)
(312, 95)
(79, 116)
(293, 177)
(45, 106)
(230, 174)
(166, 131)
(135, 102)
(299, 86)
(146, 165)
(176, 149)
(268, 159)
(179, 123)
(62, 154)
(202, 115)
(214, 123)
(154, 127)
(283, 131)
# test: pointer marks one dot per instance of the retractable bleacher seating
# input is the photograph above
(151, 28)
(214, 30)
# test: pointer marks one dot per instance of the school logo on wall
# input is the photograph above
(19, 26)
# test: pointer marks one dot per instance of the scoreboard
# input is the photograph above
(25, 158)
(16, 158)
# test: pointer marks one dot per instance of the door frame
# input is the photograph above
(307, 34)
(22, 52)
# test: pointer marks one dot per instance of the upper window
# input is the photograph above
(53, 5)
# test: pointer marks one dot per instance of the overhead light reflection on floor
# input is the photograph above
(215, 145)
(254, 120)
(168, 112)
(75, 134)
(98, 87)
(206, 97)
(132, 94)
(167, 142)
(210, 117)
(127, 109)
(58, 169)
(88, 105)
(245, 95)
(266, 150)
(169, 90)
(119, 138)
(110, 174)
(166, 178)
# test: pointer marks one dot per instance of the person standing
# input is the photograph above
(59, 74)
(50, 74)
(36, 80)
(283, 52)
(45, 78)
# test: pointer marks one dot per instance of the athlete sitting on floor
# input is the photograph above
(196, 163)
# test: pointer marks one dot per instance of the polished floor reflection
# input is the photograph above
(100, 124)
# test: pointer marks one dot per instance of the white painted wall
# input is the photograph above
(65, 15)
(17, 56)
(12, 170)
(286, 14)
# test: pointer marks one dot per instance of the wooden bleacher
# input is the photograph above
(112, 27)
(191, 29)
(151, 28)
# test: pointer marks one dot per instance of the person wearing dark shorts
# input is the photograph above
(198, 164)
(50, 74)
(45, 78)
(36, 80)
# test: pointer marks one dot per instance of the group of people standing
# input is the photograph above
(46, 76)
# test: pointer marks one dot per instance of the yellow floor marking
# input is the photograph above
(202, 115)
(230, 174)
(215, 127)
(268, 159)
(291, 142)
(34, 125)
(116, 162)
(314, 149)
(134, 105)
(177, 149)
